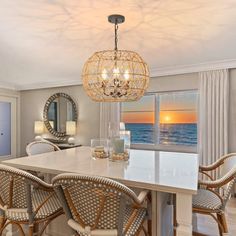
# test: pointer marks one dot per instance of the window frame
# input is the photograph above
(161, 147)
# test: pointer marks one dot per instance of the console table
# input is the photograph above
(63, 146)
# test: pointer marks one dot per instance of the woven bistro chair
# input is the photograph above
(213, 193)
(99, 206)
(38, 147)
(26, 199)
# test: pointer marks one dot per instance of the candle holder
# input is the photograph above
(118, 152)
(100, 148)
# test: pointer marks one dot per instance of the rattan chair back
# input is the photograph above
(228, 163)
(94, 202)
(26, 199)
(38, 147)
(16, 186)
(228, 174)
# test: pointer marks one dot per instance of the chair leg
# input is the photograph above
(31, 230)
(149, 226)
(12, 223)
(220, 229)
(36, 229)
(2, 221)
(223, 222)
(149, 221)
(145, 231)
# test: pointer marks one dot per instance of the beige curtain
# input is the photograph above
(213, 115)
(109, 119)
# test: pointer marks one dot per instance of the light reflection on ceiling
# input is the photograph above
(48, 41)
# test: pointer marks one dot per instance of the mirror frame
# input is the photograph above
(45, 113)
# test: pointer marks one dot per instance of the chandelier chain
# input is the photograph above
(116, 36)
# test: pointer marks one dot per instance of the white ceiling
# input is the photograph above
(45, 43)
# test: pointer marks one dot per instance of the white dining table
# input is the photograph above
(157, 171)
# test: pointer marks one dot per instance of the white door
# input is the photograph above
(7, 127)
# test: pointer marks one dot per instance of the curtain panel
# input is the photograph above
(213, 115)
(109, 119)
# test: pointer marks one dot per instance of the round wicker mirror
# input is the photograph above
(59, 109)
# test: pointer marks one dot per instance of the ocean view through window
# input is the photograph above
(168, 118)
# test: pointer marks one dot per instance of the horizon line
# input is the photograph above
(180, 110)
(160, 123)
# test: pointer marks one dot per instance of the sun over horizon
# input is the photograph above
(166, 117)
(174, 108)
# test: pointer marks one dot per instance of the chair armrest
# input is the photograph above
(143, 196)
(44, 186)
(211, 167)
(219, 182)
(216, 164)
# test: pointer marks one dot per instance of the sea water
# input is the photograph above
(170, 134)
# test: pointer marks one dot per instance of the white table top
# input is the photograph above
(155, 170)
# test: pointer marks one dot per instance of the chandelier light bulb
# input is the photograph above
(116, 72)
(126, 75)
(104, 74)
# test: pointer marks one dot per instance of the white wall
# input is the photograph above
(174, 83)
(32, 104)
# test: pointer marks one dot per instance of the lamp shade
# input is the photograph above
(70, 127)
(115, 76)
(38, 127)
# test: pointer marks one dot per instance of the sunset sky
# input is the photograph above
(176, 107)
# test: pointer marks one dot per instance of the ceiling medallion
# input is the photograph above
(115, 75)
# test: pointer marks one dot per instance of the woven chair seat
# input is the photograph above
(51, 206)
(205, 199)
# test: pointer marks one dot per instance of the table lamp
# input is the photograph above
(38, 130)
(71, 130)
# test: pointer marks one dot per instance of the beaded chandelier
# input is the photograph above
(115, 75)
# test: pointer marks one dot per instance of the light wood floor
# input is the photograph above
(207, 226)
